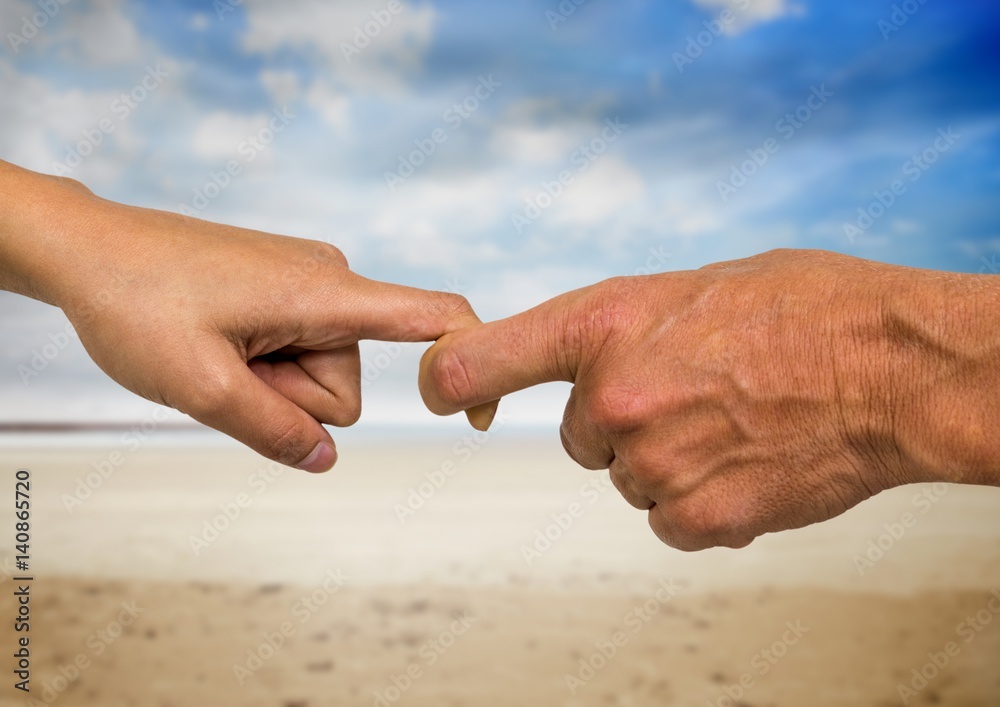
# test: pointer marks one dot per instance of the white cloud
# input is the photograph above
(199, 21)
(428, 221)
(98, 33)
(905, 226)
(986, 254)
(334, 107)
(748, 13)
(104, 34)
(452, 219)
(43, 122)
(38, 127)
(689, 217)
(607, 186)
(393, 49)
(220, 133)
(516, 290)
(282, 85)
(13, 14)
(529, 144)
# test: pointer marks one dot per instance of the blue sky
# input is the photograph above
(702, 86)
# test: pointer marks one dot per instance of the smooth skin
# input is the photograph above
(253, 334)
(756, 395)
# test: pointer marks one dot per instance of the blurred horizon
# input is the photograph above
(507, 152)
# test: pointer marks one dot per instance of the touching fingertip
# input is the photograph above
(320, 459)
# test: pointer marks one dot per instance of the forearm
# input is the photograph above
(945, 329)
(42, 222)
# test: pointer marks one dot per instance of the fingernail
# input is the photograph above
(320, 459)
(481, 416)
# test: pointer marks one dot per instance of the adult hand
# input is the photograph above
(253, 334)
(755, 395)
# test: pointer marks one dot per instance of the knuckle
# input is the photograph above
(611, 307)
(617, 409)
(71, 184)
(451, 377)
(565, 436)
(76, 186)
(648, 470)
(670, 535)
(700, 519)
(603, 318)
(570, 424)
(664, 528)
(615, 288)
(625, 483)
(283, 443)
(580, 451)
(329, 253)
(596, 316)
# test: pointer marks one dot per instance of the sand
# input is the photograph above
(443, 608)
(517, 649)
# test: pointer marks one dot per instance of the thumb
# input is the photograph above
(481, 363)
(234, 401)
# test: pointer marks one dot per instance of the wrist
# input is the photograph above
(43, 220)
(944, 343)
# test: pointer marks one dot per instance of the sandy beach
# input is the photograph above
(458, 571)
